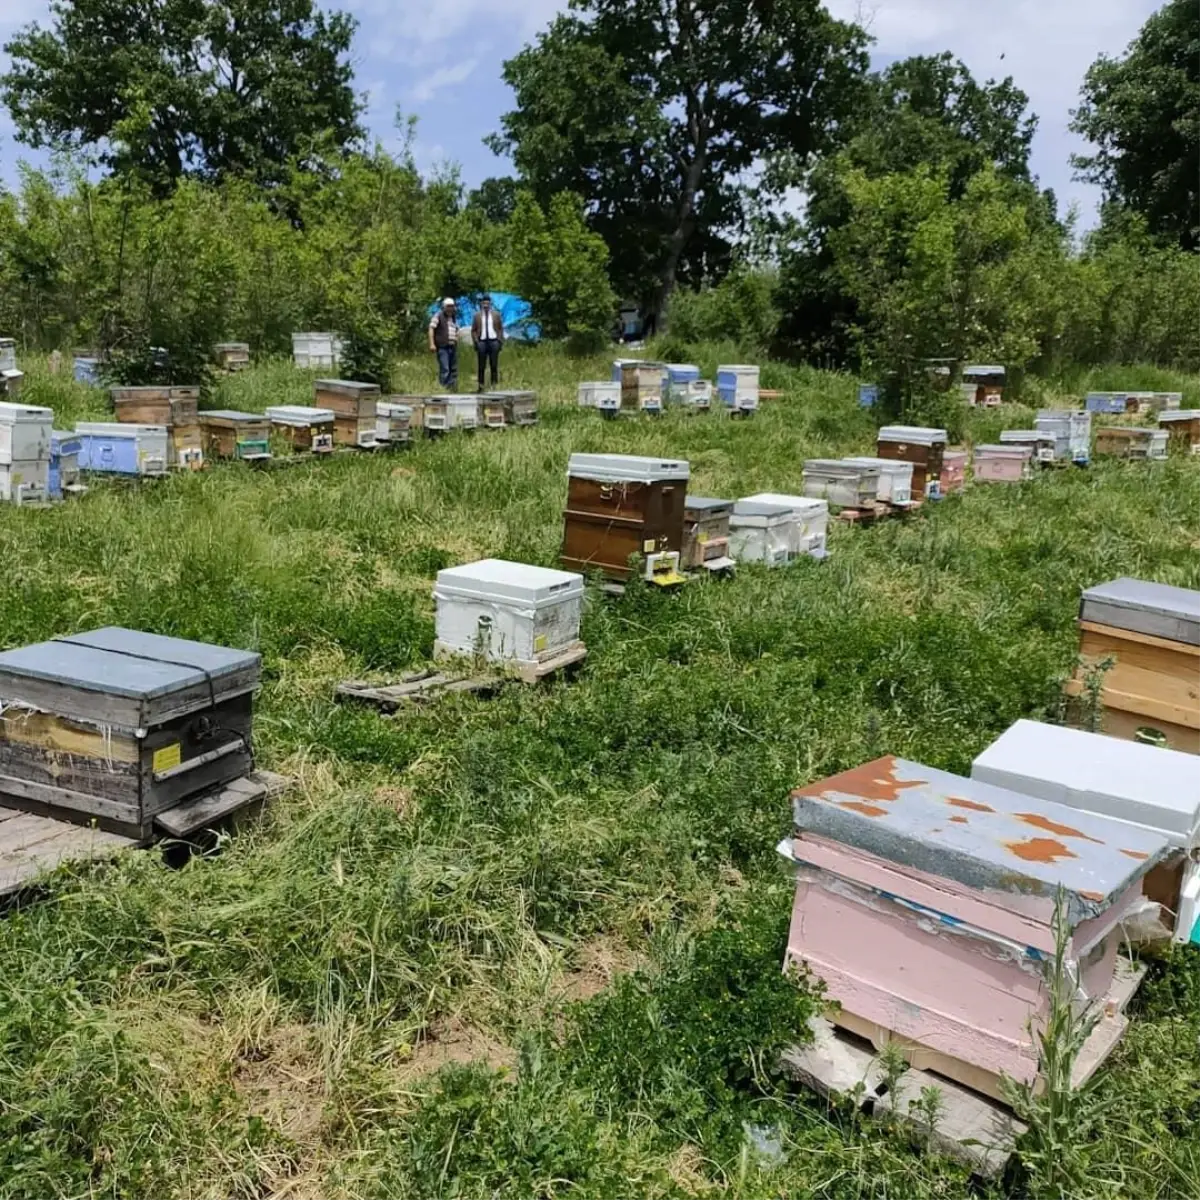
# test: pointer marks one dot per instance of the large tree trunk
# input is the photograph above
(684, 223)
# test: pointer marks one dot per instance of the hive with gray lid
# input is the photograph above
(117, 726)
(1155, 609)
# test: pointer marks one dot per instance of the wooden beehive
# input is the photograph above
(393, 422)
(1003, 463)
(520, 407)
(1131, 441)
(228, 433)
(232, 356)
(347, 397)
(116, 726)
(706, 534)
(1146, 786)
(155, 405)
(185, 447)
(925, 902)
(1183, 428)
(307, 430)
(921, 446)
(1151, 633)
(621, 507)
(642, 386)
(492, 412)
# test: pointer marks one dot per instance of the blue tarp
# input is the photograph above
(517, 315)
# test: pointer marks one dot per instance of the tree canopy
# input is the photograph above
(655, 113)
(1142, 113)
(185, 87)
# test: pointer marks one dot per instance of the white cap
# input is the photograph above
(448, 302)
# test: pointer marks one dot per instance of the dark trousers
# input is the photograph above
(488, 355)
(447, 357)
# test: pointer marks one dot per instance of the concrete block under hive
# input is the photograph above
(1145, 786)
(923, 447)
(1003, 463)
(228, 433)
(623, 508)
(706, 534)
(1150, 632)
(354, 409)
(809, 521)
(1182, 427)
(115, 726)
(925, 902)
(307, 430)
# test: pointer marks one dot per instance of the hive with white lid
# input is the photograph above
(762, 532)
(116, 725)
(920, 445)
(508, 612)
(841, 482)
(393, 422)
(624, 508)
(306, 428)
(1042, 442)
(810, 521)
(895, 478)
(738, 387)
(1072, 429)
(25, 432)
(602, 394)
(1148, 787)
(1008, 463)
(1182, 427)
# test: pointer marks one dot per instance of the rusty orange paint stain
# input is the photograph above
(973, 805)
(959, 820)
(1135, 854)
(1043, 850)
(1049, 826)
(872, 781)
(867, 810)
(1092, 895)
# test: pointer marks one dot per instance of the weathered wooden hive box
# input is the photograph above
(309, 430)
(1072, 430)
(600, 393)
(642, 386)
(1182, 427)
(1041, 442)
(492, 413)
(678, 378)
(155, 405)
(762, 532)
(316, 349)
(416, 410)
(926, 904)
(115, 448)
(953, 476)
(520, 407)
(1131, 441)
(842, 483)
(1145, 786)
(706, 534)
(1167, 401)
(737, 385)
(232, 356)
(507, 611)
(64, 462)
(895, 478)
(921, 446)
(393, 422)
(354, 408)
(983, 386)
(117, 726)
(810, 521)
(1003, 463)
(621, 507)
(1151, 632)
(228, 433)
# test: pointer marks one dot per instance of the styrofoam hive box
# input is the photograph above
(810, 517)
(841, 482)
(507, 611)
(602, 394)
(738, 386)
(1072, 429)
(25, 482)
(25, 432)
(895, 478)
(763, 533)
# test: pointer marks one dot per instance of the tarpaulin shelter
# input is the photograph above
(517, 315)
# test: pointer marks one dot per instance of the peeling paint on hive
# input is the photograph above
(1049, 826)
(1137, 855)
(867, 810)
(960, 820)
(973, 805)
(1043, 850)
(872, 781)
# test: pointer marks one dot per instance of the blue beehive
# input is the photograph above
(87, 370)
(677, 378)
(1106, 402)
(738, 387)
(122, 449)
(64, 462)
(868, 395)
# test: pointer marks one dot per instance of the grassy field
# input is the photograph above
(530, 947)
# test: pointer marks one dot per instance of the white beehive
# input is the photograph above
(1147, 786)
(25, 482)
(895, 478)
(1041, 442)
(8, 354)
(316, 349)
(840, 481)
(507, 611)
(737, 385)
(762, 533)
(810, 520)
(25, 433)
(1072, 429)
(299, 415)
(600, 393)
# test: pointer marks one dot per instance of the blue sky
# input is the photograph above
(442, 64)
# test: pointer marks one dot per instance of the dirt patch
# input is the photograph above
(686, 1169)
(280, 1080)
(597, 963)
(396, 798)
(451, 1040)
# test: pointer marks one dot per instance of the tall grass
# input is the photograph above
(448, 877)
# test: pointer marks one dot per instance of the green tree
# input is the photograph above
(178, 87)
(559, 266)
(1142, 113)
(654, 113)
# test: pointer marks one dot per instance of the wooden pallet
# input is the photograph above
(527, 672)
(32, 844)
(866, 515)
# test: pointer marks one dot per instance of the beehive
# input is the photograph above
(185, 447)
(1182, 427)
(492, 413)
(1003, 464)
(63, 469)
(1145, 786)
(25, 432)
(316, 349)
(953, 477)
(738, 387)
(233, 356)
(228, 433)
(601, 394)
(115, 448)
(1072, 430)
(642, 386)
(868, 395)
(810, 521)
(1129, 441)
(507, 612)
(698, 395)
(842, 483)
(308, 430)
(353, 405)
(925, 903)
(1151, 632)
(762, 532)
(895, 478)
(621, 507)
(678, 378)
(393, 422)
(923, 447)
(8, 354)
(116, 726)
(520, 407)
(1106, 402)
(1042, 443)
(706, 534)
(155, 405)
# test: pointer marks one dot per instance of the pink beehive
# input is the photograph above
(954, 471)
(925, 903)
(1003, 463)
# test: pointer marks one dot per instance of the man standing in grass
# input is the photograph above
(487, 332)
(443, 341)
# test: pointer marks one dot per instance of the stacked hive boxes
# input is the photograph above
(895, 479)
(232, 356)
(354, 410)
(393, 422)
(116, 726)
(10, 377)
(1072, 430)
(25, 436)
(642, 386)
(706, 534)
(919, 445)
(953, 476)
(171, 408)
(1042, 443)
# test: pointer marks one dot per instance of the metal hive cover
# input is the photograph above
(1155, 609)
(977, 835)
(917, 434)
(707, 504)
(231, 414)
(618, 468)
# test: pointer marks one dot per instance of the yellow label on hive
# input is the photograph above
(648, 545)
(702, 538)
(168, 757)
(540, 642)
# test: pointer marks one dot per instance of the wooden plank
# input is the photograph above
(1146, 639)
(209, 810)
(59, 842)
(391, 696)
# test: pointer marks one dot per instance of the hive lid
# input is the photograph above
(707, 504)
(232, 346)
(20, 414)
(1179, 414)
(119, 429)
(682, 372)
(761, 512)
(300, 414)
(919, 434)
(60, 437)
(1020, 436)
(891, 466)
(985, 369)
(982, 837)
(1012, 449)
(351, 387)
(1146, 785)
(626, 468)
(802, 506)
(838, 466)
(743, 368)
(1154, 609)
(392, 408)
(497, 579)
(230, 414)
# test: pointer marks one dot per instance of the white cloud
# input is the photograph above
(444, 77)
